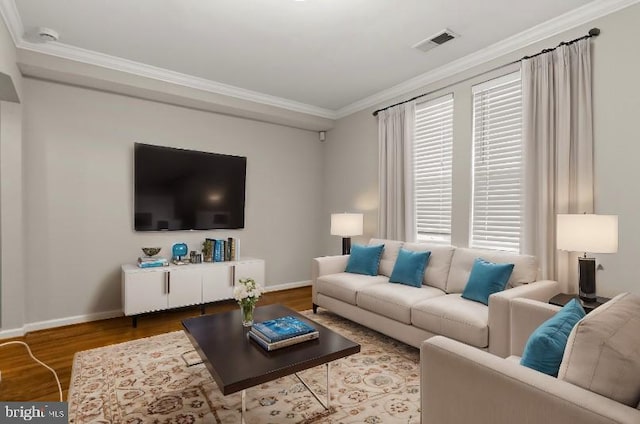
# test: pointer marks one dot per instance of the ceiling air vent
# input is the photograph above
(435, 40)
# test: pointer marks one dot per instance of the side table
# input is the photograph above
(563, 298)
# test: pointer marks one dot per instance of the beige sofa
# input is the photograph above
(412, 314)
(598, 382)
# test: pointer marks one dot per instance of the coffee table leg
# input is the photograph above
(324, 403)
(244, 406)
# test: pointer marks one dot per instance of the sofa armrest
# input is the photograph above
(500, 311)
(462, 384)
(526, 316)
(326, 265)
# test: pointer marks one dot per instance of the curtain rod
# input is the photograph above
(593, 32)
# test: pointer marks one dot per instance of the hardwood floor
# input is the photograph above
(25, 380)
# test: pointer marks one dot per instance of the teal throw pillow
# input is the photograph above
(409, 267)
(545, 347)
(485, 279)
(365, 259)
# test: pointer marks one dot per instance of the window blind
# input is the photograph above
(497, 164)
(432, 155)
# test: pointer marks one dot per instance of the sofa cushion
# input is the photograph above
(365, 259)
(394, 300)
(603, 351)
(389, 254)
(485, 279)
(437, 269)
(544, 349)
(525, 268)
(454, 317)
(409, 267)
(344, 286)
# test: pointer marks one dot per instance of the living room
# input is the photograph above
(67, 129)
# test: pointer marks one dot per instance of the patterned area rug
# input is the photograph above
(161, 380)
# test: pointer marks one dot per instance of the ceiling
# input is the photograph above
(328, 54)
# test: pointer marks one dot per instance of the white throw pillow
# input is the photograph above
(389, 254)
(603, 351)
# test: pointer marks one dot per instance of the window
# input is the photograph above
(432, 153)
(497, 164)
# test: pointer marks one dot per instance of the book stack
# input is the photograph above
(225, 250)
(281, 332)
(147, 262)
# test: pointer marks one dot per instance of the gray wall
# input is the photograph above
(10, 78)
(351, 152)
(66, 179)
(12, 300)
(351, 175)
(11, 199)
(79, 192)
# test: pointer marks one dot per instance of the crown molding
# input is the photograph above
(562, 23)
(90, 57)
(569, 20)
(9, 12)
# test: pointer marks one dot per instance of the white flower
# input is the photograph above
(247, 290)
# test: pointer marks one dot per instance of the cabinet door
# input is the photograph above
(217, 283)
(145, 292)
(250, 269)
(185, 287)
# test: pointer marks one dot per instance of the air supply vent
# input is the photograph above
(435, 40)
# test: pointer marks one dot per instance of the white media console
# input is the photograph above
(155, 289)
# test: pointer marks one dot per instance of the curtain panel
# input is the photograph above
(396, 216)
(558, 151)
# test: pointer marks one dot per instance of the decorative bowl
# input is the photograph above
(151, 251)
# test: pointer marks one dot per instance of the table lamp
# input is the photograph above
(346, 225)
(587, 233)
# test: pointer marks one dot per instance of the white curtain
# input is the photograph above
(558, 151)
(395, 140)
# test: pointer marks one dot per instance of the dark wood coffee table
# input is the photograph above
(237, 363)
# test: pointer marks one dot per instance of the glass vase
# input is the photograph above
(247, 314)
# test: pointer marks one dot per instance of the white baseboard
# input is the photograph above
(13, 332)
(78, 319)
(287, 286)
(60, 322)
(43, 325)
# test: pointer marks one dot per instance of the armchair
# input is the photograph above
(462, 384)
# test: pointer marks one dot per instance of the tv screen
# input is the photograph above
(178, 189)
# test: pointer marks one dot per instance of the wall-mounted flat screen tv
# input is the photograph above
(177, 189)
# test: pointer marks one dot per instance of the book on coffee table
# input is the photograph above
(275, 330)
(282, 343)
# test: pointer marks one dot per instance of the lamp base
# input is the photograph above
(346, 245)
(587, 282)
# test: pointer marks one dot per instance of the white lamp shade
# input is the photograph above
(346, 224)
(587, 233)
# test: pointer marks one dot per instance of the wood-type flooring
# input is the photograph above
(25, 380)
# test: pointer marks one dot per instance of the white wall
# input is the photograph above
(79, 192)
(351, 154)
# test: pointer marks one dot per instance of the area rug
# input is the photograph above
(161, 380)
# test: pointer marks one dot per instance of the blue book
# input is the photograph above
(282, 328)
(151, 264)
(259, 338)
(217, 251)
